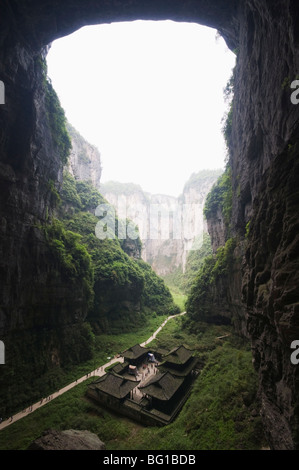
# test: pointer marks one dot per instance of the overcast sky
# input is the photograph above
(149, 95)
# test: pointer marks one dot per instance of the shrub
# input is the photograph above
(123, 288)
(220, 198)
(199, 304)
(57, 121)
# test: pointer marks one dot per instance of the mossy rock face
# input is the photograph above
(38, 357)
(220, 198)
(88, 282)
(57, 122)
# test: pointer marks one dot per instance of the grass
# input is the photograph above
(110, 345)
(70, 410)
(219, 414)
(178, 296)
(215, 416)
(179, 299)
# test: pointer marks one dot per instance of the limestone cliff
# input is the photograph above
(264, 161)
(169, 227)
(85, 159)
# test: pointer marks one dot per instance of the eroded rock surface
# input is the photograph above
(67, 440)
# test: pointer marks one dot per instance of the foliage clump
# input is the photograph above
(220, 414)
(183, 281)
(156, 295)
(228, 118)
(120, 188)
(73, 260)
(197, 179)
(124, 289)
(57, 122)
(199, 304)
(220, 198)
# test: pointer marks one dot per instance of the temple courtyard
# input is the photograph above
(146, 385)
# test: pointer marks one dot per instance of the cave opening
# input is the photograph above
(148, 95)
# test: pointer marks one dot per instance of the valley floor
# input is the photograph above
(99, 371)
(222, 412)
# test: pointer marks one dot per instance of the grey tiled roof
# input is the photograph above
(179, 355)
(115, 385)
(135, 352)
(183, 371)
(162, 386)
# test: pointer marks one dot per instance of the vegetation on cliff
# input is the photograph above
(200, 301)
(57, 121)
(220, 198)
(100, 290)
(125, 289)
(210, 282)
(121, 189)
(196, 179)
(71, 254)
(156, 295)
(221, 413)
(182, 281)
(227, 128)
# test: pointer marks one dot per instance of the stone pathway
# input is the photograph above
(97, 372)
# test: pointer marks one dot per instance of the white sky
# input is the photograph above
(149, 95)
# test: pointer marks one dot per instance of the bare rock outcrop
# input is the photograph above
(85, 162)
(70, 439)
(265, 37)
(169, 227)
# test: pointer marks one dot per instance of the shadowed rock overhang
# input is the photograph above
(41, 22)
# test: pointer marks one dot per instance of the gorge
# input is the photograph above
(43, 305)
(165, 246)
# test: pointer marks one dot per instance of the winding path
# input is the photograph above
(99, 372)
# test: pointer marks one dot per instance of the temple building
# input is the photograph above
(135, 355)
(180, 362)
(148, 386)
(163, 392)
